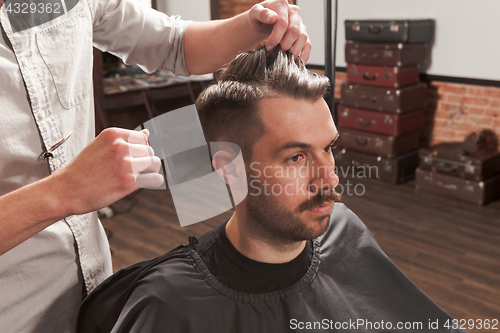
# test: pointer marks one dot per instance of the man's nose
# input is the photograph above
(325, 179)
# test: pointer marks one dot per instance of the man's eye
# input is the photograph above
(295, 158)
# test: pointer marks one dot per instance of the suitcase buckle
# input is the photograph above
(469, 188)
(355, 26)
(388, 120)
(394, 27)
(470, 169)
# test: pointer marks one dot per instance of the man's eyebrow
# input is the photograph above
(334, 139)
(302, 145)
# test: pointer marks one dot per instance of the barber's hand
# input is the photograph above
(114, 164)
(283, 22)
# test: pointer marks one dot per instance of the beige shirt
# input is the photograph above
(46, 92)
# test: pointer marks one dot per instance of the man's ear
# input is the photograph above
(228, 163)
(223, 166)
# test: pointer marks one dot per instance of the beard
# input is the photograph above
(276, 225)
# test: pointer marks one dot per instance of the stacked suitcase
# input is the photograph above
(382, 104)
(468, 170)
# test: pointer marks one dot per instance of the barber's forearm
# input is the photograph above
(210, 45)
(27, 211)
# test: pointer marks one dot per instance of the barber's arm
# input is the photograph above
(209, 45)
(105, 171)
(143, 36)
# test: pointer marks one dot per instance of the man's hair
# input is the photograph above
(227, 109)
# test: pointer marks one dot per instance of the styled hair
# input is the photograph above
(228, 108)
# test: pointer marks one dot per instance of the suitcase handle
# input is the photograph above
(446, 186)
(364, 98)
(367, 76)
(358, 165)
(365, 124)
(370, 56)
(443, 168)
(375, 29)
(363, 142)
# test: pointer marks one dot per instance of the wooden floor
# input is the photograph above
(450, 249)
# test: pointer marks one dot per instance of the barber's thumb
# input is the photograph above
(269, 16)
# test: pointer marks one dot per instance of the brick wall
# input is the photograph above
(456, 110)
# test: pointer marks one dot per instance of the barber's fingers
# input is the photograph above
(138, 150)
(281, 24)
(149, 180)
(137, 137)
(306, 51)
(145, 170)
(302, 46)
(145, 164)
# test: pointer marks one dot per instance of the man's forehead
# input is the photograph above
(286, 119)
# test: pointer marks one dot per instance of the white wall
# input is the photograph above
(466, 41)
(312, 13)
(196, 10)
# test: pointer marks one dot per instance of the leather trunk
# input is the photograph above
(380, 122)
(449, 158)
(396, 170)
(478, 192)
(383, 76)
(378, 144)
(390, 31)
(383, 99)
(384, 54)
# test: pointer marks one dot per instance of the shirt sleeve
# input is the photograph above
(139, 35)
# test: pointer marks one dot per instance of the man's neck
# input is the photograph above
(256, 248)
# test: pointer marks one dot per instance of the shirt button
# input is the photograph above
(25, 62)
(57, 164)
(42, 114)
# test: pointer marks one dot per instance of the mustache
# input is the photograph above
(320, 199)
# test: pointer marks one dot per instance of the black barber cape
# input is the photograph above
(349, 286)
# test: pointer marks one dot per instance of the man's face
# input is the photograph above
(291, 177)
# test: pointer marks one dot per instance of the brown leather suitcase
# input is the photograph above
(383, 76)
(383, 99)
(390, 31)
(450, 158)
(378, 144)
(355, 164)
(385, 54)
(380, 122)
(478, 192)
